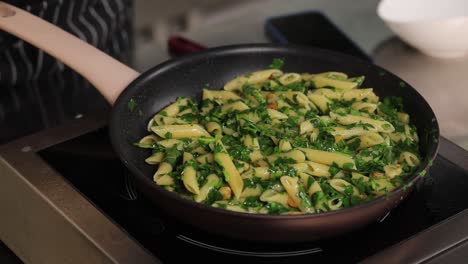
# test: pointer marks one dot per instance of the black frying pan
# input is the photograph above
(186, 76)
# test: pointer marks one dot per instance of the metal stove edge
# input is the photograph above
(45, 219)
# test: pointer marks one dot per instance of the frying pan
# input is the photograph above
(186, 76)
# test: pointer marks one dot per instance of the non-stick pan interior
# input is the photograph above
(187, 76)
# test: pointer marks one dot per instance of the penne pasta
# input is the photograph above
(289, 78)
(320, 101)
(283, 143)
(325, 81)
(392, 170)
(211, 182)
(249, 192)
(370, 139)
(156, 158)
(180, 131)
(220, 96)
(329, 158)
(340, 186)
(214, 128)
(251, 78)
(375, 125)
(189, 178)
(271, 196)
(231, 174)
(236, 106)
(295, 155)
(365, 107)
(360, 95)
(410, 159)
(291, 185)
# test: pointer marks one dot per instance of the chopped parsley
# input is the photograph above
(131, 104)
(172, 156)
(168, 135)
(276, 64)
(275, 208)
(213, 196)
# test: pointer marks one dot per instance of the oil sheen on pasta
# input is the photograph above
(274, 142)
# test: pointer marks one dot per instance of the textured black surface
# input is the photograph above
(7, 256)
(187, 76)
(89, 164)
(311, 28)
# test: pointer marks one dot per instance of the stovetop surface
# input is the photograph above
(91, 166)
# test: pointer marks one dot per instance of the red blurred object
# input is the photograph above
(180, 46)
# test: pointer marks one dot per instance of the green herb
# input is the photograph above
(213, 196)
(206, 141)
(326, 141)
(275, 208)
(276, 64)
(354, 145)
(254, 92)
(131, 105)
(359, 80)
(334, 169)
(280, 167)
(267, 146)
(235, 148)
(239, 152)
(348, 166)
(172, 155)
(348, 190)
(251, 202)
(250, 128)
(250, 183)
(218, 148)
(143, 145)
(221, 205)
(300, 142)
(360, 184)
(319, 199)
(373, 185)
(168, 135)
(305, 202)
(354, 112)
(189, 117)
(386, 126)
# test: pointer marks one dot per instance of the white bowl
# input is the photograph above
(438, 28)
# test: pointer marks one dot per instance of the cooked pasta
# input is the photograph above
(283, 143)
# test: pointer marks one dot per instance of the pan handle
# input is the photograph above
(107, 74)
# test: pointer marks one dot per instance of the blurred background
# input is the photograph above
(232, 22)
(43, 92)
(46, 93)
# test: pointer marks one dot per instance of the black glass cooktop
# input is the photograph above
(89, 163)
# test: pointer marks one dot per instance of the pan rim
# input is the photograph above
(128, 93)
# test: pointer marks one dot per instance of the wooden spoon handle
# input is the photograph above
(107, 74)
